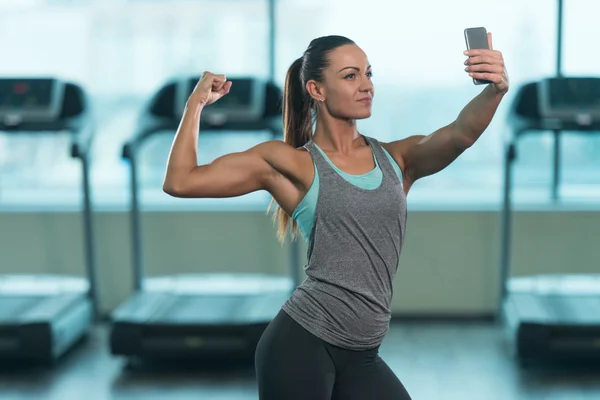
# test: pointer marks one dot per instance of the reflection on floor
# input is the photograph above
(435, 360)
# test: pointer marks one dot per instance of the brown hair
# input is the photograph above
(299, 109)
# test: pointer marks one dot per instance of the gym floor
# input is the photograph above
(435, 360)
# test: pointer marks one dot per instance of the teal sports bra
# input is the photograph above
(304, 214)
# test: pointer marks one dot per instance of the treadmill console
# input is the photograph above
(25, 100)
(570, 99)
(244, 102)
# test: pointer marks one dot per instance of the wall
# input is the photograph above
(449, 264)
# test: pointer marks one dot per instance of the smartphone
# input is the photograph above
(476, 38)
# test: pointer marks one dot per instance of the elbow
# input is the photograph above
(463, 138)
(465, 142)
(184, 185)
(183, 190)
(169, 189)
(173, 189)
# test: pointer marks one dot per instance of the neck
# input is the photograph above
(337, 135)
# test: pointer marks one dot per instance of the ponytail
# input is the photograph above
(297, 131)
(299, 108)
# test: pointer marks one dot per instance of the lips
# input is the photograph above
(366, 100)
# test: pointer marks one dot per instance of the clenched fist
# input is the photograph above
(209, 89)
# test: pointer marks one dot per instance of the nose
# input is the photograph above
(367, 86)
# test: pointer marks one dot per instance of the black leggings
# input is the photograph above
(293, 364)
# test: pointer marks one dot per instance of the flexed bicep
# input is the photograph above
(231, 175)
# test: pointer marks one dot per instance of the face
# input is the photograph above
(347, 87)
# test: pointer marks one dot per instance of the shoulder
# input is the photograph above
(279, 145)
(399, 150)
(278, 149)
(283, 157)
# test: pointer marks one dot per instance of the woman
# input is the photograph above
(346, 193)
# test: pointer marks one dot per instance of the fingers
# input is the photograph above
(215, 83)
(495, 78)
(210, 88)
(483, 52)
(496, 69)
(485, 67)
(214, 80)
(484, 59)
(211, 76)
(224, 89)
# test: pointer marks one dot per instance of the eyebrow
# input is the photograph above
(354, 68)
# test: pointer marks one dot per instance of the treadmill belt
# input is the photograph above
(226, 309)
(207, 309)
(574, 309)
(13, 306)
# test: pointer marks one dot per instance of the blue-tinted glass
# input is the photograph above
(123, 51)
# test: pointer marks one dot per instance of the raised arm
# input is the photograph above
(231, 175)
(425, 155)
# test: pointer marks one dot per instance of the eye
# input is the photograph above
(369, 74)
(350, 76)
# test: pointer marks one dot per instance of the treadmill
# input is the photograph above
(43, 316)
(199, 316)
(551, 317)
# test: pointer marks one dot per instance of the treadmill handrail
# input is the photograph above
(162, 125)
(81, 148)
(82, 131)
(158, 125)
(82, 140)
(149, 126)
(520, 126)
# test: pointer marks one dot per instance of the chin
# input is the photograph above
(364, 115)
(355, 114)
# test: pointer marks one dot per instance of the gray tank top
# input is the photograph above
(353, 254)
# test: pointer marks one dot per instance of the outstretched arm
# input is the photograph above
(426, 155)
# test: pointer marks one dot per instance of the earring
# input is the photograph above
(322, 99)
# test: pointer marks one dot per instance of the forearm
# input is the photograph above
(183, 157)
(476, 116)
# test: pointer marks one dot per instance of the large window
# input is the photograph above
(123, 50)
(416, 50)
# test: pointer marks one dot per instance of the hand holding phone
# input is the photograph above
(485, 64)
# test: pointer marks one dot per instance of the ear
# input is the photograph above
(315, 90)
